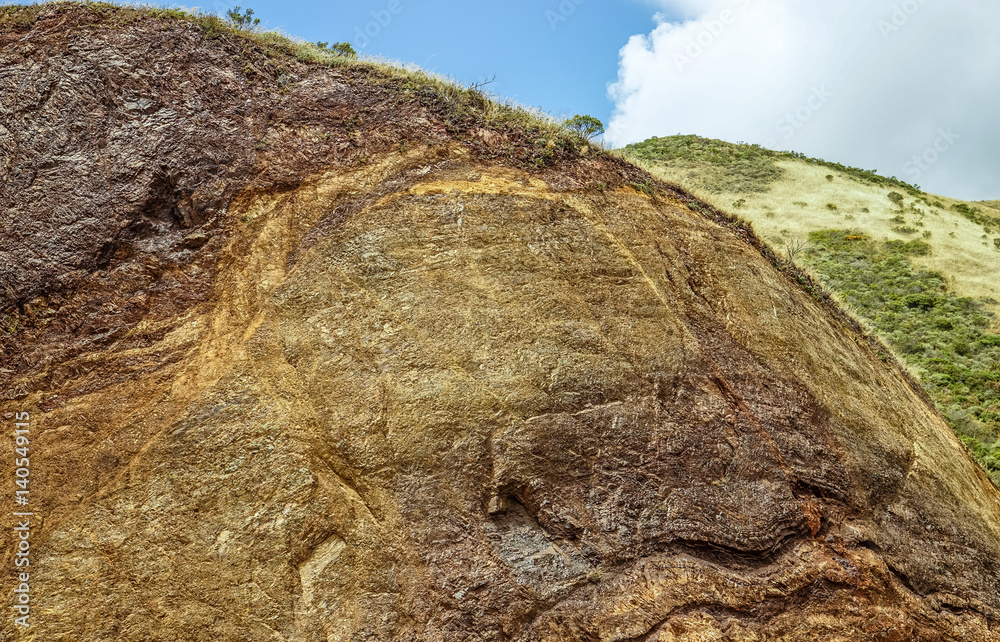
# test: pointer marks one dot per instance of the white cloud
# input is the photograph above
(866, 83)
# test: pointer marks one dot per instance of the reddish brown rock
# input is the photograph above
(290, 379)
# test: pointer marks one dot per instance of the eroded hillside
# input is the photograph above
(922, 270)
(332, 353)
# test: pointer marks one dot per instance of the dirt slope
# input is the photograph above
(311, 355)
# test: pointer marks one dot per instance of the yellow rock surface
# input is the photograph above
(432, 396)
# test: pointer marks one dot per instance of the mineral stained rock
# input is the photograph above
(312, 355)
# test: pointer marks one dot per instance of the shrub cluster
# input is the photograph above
(745, 168)
(865, 175)
(977, 216)
(738, 168)
(945, 337)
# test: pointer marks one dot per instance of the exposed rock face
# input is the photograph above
(281, 394)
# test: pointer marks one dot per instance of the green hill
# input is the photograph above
(922, 270)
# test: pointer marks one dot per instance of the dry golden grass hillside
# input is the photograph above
(922, 270)
(798, 201)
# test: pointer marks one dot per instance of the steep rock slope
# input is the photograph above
(309, 356)
(882, 246)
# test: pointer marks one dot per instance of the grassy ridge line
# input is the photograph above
(810, 197)
(496, 112)
(742, 166)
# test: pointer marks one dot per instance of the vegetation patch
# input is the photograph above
(741, 167)
(945, 338)
(864, 175)
(977, 216)
(737, 168)
(586, 126)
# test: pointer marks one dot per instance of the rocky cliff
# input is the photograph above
(331, 353)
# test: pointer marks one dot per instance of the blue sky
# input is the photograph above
(906, 87)
(563, 67)
(909, 88)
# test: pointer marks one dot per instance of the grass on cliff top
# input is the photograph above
(494, 111)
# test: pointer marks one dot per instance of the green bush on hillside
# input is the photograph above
(338, 49)
(945, 337)
(244, 20)
(586, 126)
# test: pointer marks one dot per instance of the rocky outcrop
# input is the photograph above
(310, 356)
